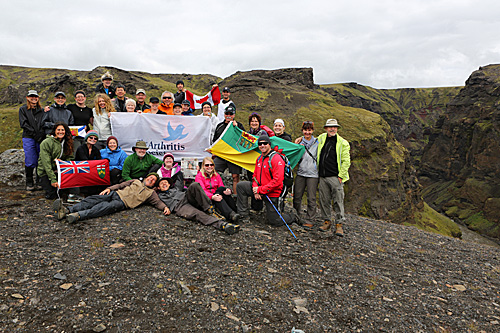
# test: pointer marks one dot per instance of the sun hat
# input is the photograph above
(140, 144)
(332, 123)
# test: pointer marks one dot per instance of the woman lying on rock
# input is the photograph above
(192, 205)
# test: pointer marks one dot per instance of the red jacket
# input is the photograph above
(209, 185)
(271, 186)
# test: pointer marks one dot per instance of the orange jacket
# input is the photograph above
(168, 109)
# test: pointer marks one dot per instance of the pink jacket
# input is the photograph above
(209, 185)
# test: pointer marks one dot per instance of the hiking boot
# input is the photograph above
(59, 210)
(235, 217)
(72, 218)
(308, 226)
(338, 230)
(73, 198)
(230, 228)
(211, 211)
(30, 186)
(326, 226)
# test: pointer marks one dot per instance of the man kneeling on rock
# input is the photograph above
(193, 204)
(129, 194)
(267, 185)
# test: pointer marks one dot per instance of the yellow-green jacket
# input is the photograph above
(343, 155)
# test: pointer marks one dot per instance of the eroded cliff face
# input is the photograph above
(411, 112)
(461, 164)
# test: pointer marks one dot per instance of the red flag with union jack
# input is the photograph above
(82, 173)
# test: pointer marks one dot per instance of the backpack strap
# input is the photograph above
(271, 155)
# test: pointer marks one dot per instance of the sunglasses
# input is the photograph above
(308, 122)
(263, 143)
(209, 165)
(93, 138)
(166, 97)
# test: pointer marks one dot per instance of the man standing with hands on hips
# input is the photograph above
(333, 164)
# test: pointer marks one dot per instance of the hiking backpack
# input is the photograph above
(288, 180)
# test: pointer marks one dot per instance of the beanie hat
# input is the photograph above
(111, 138)
(168, 155)
(153, 174)
(91, 133)
(279, 121)
(264, 138)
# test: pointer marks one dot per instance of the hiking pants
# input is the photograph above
(31, 152)
(272, 217)
(330, 189)
(193, 207)
(301, 183)
(98, 205)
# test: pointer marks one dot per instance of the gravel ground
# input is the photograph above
(139, 271)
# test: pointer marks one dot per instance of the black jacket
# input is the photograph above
(100, 89)
(57, 113)
(119, 105)
(82, 153)
(145, 106)
(285, 136)
(221, 127)
(179, 97)
(31, 121)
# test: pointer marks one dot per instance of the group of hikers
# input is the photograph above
(142, 178)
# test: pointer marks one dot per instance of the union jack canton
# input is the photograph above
(71, 167)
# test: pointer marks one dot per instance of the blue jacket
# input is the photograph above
(116, 157)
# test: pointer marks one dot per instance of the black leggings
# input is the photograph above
(226, 205)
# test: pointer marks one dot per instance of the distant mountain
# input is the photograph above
(383, 182)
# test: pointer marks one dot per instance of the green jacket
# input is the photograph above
(343, 157)
(50, 150)
(134, 167)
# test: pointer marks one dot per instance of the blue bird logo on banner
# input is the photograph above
(175, 134)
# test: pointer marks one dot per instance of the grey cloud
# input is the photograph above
(383, 44)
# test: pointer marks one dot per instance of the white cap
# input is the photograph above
(280, 121)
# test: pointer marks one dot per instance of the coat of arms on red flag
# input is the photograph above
(82, 173)
(101, 170)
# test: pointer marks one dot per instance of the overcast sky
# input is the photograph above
(383, 43)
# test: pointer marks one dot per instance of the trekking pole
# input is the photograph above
(277, 211)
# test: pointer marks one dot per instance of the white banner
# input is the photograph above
(183, 136)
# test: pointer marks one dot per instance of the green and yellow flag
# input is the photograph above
(240, 148)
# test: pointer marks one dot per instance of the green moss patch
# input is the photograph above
(430, 220)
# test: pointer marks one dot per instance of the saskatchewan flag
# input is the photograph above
(240, 148)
